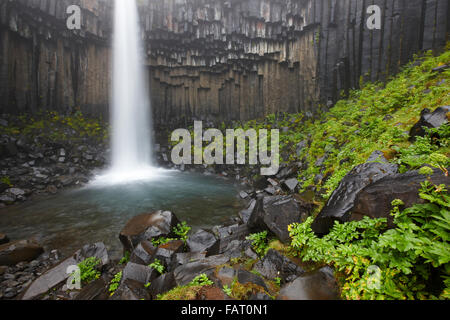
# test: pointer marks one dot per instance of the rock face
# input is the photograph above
(147, 226)
(223, 60)
(3, 238)
(343, 198)
(319, 285)
(429, 119)
(19, 251)
(276, 214)
(204, 242)
(375, 200)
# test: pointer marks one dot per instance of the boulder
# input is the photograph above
(166, 252)
(146, 227)
(319, 285)
(144, 253)
(246, 214)
(184, 274)
(162, 284)
(186, 257)
(18, 251)
(226, 276)
(231, 233)
(139, 273)
(203, 241)
(131, 290)
(275, 265)
(3, 238)
(375, 200)
(96, 290)
(58, 273)
(276, 214)
(343, 198)
(430, 119)
(212, 293)
(244, 277)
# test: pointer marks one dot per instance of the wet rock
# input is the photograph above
(291, 184)
(319, 285)
(260, 296)
(276, 214)
(226, 276)
(58, 274)
(165, 253)
(96, 290)
(275, 265)
(234, 249)
(146, 227)
(203, 241)
(375, 200)
(18, 251)
(232, 233)
(162, 284)
(3, 238)
(138, 272)
(247, 213)
(186, 273)
(7, 199)
(343, 198)
(430, 119)
(243, 195)
(131, 290)
(186, 257)
(144, 253)
(244, 277)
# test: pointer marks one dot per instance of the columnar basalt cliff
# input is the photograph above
(219, 60)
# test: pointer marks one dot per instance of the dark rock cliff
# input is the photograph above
(220, 60)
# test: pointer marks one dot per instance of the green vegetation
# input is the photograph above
(89, 269)
(6, 180)
(157, 265)
(115, 283)
(408, 262)
(259, 243)
(188, 292)
(125, 259)
(55, 127)
(182, 230)
(376, 117)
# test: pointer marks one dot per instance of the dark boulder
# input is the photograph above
(226, 275)
(3, 238)
(276, 214)
(96, 290)
(146, 227)
(343, 198)
(139, 273)
(166, 252)
(144, 253)
(203, 241)
(131, 290)
(184, 274)
(275, 265)
(319, 285)
(244, 277)
(247, 213)
(232, 233)
(430, 119)
(18, 251)
(186, 257)
(162, 284)
(375, 200)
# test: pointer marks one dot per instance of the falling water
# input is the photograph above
(130, 114)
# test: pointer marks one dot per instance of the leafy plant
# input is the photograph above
(228, 291)
(125, 259)
(376, 263)
(88, 269)
(259, 243)
(182, 230)
(161, 241)
(201, 280)
(6, 180)
(157, 265)
(115, 283)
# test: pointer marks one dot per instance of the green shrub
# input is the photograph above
(157, 265)
(259, 243)
(182, 230)
(201, 280)
(115, 283)
(376, 263)
(88, 269)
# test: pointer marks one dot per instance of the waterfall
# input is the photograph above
(131, 141)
